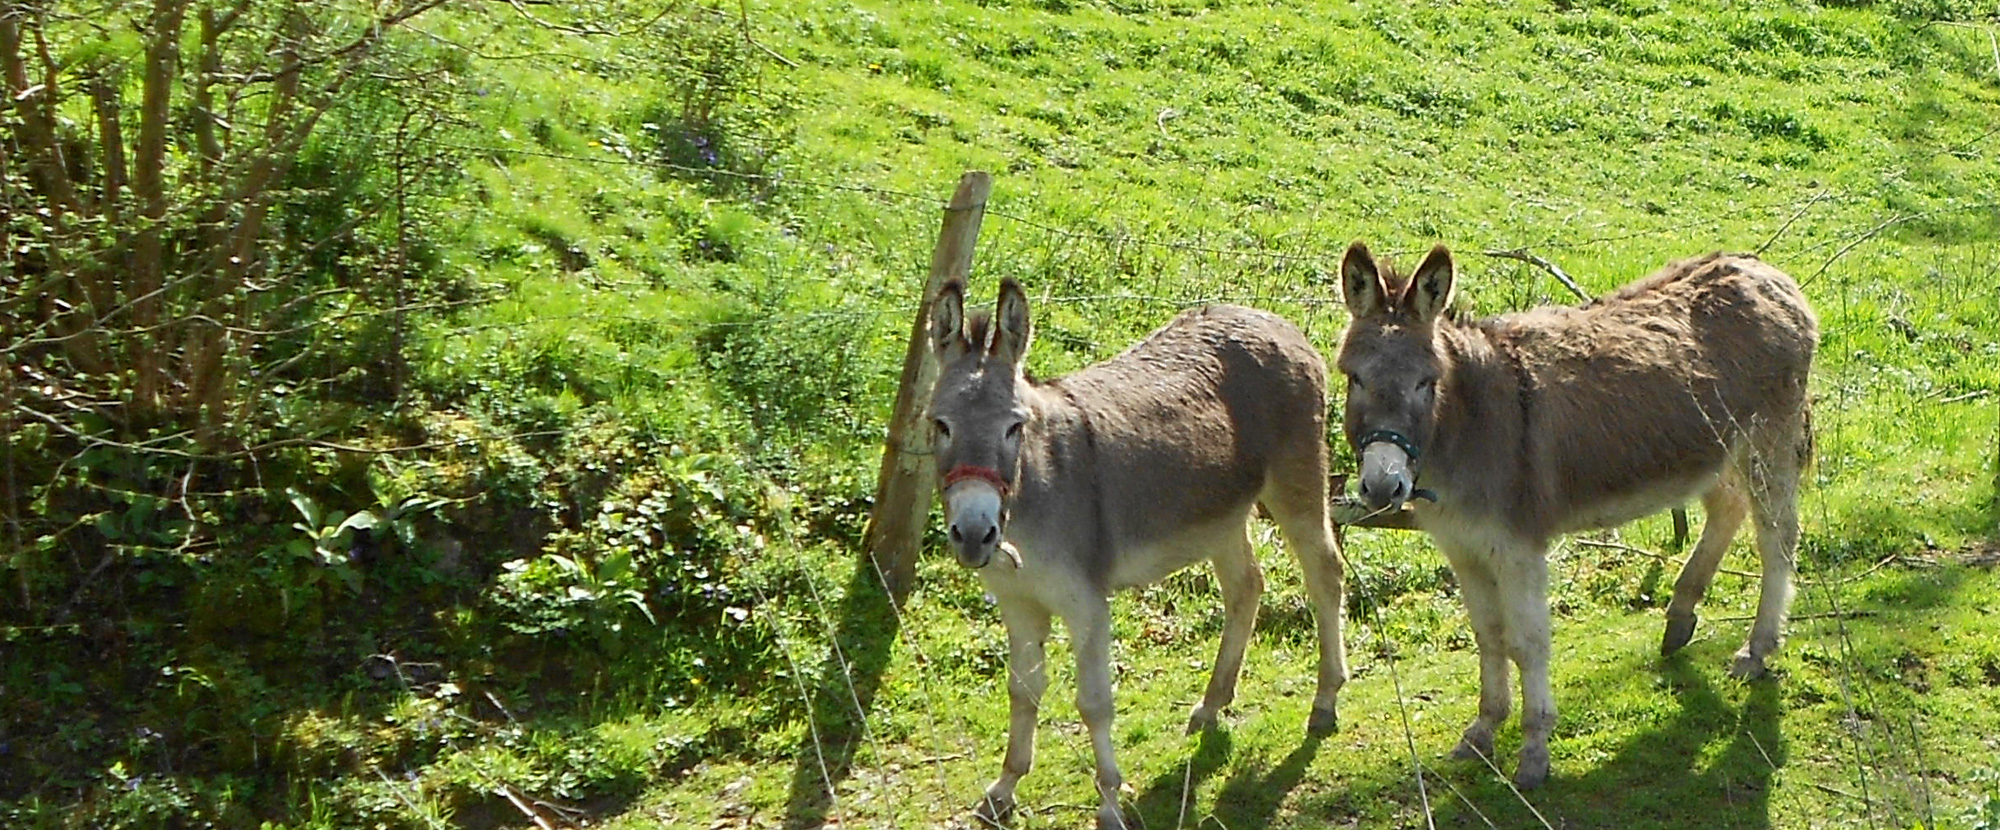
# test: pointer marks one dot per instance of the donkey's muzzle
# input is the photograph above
(1386, 478)
(972, 516)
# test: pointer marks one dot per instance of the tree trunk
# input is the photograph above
(163, 34)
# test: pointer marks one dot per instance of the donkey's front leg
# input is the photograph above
(1090, 631)
(1484, 607)
(1523, 577)
(1027, 679)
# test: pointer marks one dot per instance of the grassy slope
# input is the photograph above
(1609, 138)
(1643, 743)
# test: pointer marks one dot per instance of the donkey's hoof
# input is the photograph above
(1746, 666)
(993, 810)
(1679, 631)
(1528, 779)
(1202, 719)
(1473, 747)
(1322, 722)
(1110, 818)
(1534, 768)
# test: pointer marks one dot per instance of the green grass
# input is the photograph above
(1644, 742)
(1152, 155)
(1149, 155)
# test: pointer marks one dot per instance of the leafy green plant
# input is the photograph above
(329, 538)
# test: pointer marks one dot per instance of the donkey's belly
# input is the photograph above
(1616, 509)
(1133, 565)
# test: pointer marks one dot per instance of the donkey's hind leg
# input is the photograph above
(1296, 498)
(1242, 583)
(1772, 471)
(1724, 507)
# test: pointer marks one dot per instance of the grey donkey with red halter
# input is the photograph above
(1063, 492)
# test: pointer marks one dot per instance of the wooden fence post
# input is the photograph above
(903, 491)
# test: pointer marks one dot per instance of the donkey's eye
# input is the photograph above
(1427, 385)
(1014, 430)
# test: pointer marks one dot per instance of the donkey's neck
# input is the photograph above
(1058, 431)
(1479, 462)
(1057, 498)
(1057, 466)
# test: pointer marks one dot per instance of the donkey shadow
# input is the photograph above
(1250, 798)
(1666, 775)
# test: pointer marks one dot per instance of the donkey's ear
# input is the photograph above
(1012, 329)
(1361, 282)
(1430, 287)
(948, 320)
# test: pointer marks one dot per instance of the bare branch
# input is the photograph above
(1816, 199)
(521, 8)
(149, 186)
(1593, 543)
(1523, 255)
(1893, 220)
(104, 94)
(743, 6)
(152, 446)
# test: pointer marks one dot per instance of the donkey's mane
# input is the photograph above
(1396, 283)
(979, 328)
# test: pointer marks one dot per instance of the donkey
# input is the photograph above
(1059, 493)
(1521, 427)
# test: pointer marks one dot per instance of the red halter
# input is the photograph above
(986, 474)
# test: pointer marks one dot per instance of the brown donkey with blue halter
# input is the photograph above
(1690, 382)
(1060, 493)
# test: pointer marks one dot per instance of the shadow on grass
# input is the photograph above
(1172, 793)
(1668, 775)
(843, 692)
(1250, 798)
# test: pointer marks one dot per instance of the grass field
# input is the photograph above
(1149, 155)
(1851, 144)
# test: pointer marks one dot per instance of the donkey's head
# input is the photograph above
(1393, 366)
(977, 415)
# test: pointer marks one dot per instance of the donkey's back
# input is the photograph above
(1651, 389)
(1189, 423)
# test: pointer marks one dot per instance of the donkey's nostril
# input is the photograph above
(955, 535)
(992, 533)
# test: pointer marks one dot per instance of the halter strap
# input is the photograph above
(986, 474)
(1403, 442)
(1388, 436)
